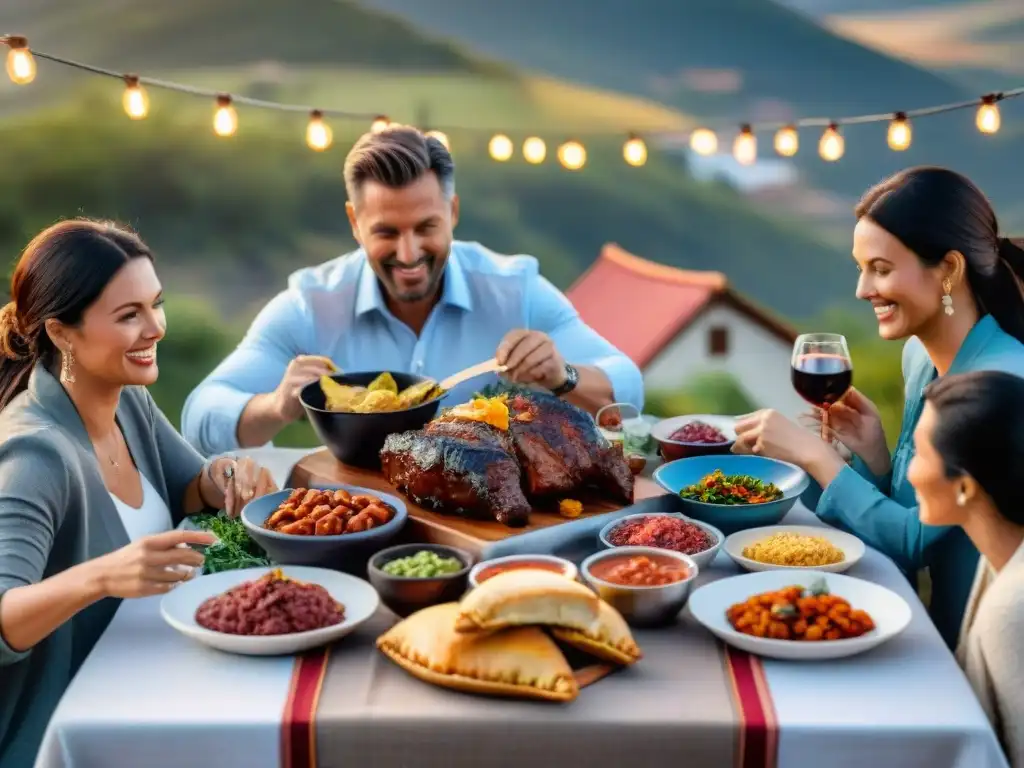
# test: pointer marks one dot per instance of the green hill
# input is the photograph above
(784, 63)
(154, 37)
(237, 215)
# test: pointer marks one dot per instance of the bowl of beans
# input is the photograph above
(409, 577)
(667, 531)
(647, 585)
(697, 435)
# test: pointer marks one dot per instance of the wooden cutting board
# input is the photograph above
(427, 526)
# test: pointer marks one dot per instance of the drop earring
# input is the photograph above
(67, 367)
(961, 499)
(947, 299)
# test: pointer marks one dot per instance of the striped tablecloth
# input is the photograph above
(148, 697)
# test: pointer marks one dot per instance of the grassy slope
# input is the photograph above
(783, 57)
(220, 187)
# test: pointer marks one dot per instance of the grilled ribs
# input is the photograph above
(462, 467)
(550, 450)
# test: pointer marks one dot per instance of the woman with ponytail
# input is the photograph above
(937, 273)
(93, 478)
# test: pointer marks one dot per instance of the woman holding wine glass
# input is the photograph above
(937, 274)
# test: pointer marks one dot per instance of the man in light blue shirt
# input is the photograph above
(410, 299)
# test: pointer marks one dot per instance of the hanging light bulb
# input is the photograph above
(379, 123)
(572, 155)
(21, 66)
(988, 119)
(831, 146)
(135, 99)
(534, 150)
(442, 137)
(500, 148)
(225, 119)
(744, 149)
(634, 151)
(319, 135)
(704, 142)
(899, 132)
(787, 141)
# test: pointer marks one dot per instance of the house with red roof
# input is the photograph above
(676, 323)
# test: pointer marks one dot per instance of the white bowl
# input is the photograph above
(851, 546)
(889, 611)
(568, 569)
(702, 559)
(179, 610)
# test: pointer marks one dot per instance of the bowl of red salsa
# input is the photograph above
(486, 569)
(665, 531)
(694, 435)
(648, 586)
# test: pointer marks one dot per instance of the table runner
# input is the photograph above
(690, 695)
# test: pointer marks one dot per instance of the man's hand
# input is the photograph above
(300, 372)
(531, 358)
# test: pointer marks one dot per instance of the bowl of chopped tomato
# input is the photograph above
(665, 531)
(733, 492)
(647, 585)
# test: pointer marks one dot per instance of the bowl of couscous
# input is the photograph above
(794, 547)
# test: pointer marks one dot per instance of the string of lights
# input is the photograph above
(21, 68)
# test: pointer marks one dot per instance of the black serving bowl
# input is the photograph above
(405, 595)
(356, 438)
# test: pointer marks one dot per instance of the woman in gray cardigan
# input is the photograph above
(93, 478)
(969, 453)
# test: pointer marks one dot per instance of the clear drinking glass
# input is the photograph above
(822, 371)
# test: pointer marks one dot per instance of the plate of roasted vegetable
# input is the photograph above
(783, 615)
(352, 413)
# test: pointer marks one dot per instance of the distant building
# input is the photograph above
(675, 323)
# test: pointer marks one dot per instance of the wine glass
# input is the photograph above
(822, 371)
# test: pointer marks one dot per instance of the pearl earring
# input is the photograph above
(961, 499)
(947, 299)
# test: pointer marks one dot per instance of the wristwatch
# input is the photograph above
(572, 378)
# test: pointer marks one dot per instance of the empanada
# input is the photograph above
(609, 640)
(525, 596)
(522, 662)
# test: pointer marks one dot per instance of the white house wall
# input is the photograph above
(758, 359)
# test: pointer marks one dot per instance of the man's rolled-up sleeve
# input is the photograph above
(550, 312)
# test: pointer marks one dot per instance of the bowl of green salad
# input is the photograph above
(409, 577)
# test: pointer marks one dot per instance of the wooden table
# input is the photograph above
(322, 468)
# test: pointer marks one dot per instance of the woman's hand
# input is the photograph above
(855, 422)
(769, 433)
(151, 565)
(236, 482)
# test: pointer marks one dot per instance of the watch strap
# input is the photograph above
(572, 378)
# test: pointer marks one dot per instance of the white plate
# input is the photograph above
(179, 610)
(852, 547)
(664, 429)
(889, 611)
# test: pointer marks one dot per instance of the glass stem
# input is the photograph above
(824, 425)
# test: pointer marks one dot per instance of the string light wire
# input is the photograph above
(988, 101)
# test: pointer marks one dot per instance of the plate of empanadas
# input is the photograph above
(500, 640)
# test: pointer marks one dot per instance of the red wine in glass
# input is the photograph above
(822, 371)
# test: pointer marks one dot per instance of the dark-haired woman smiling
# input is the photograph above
(93, 478)
(966, 471)
(938, 274)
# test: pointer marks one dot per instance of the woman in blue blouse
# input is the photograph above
(938, 274)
